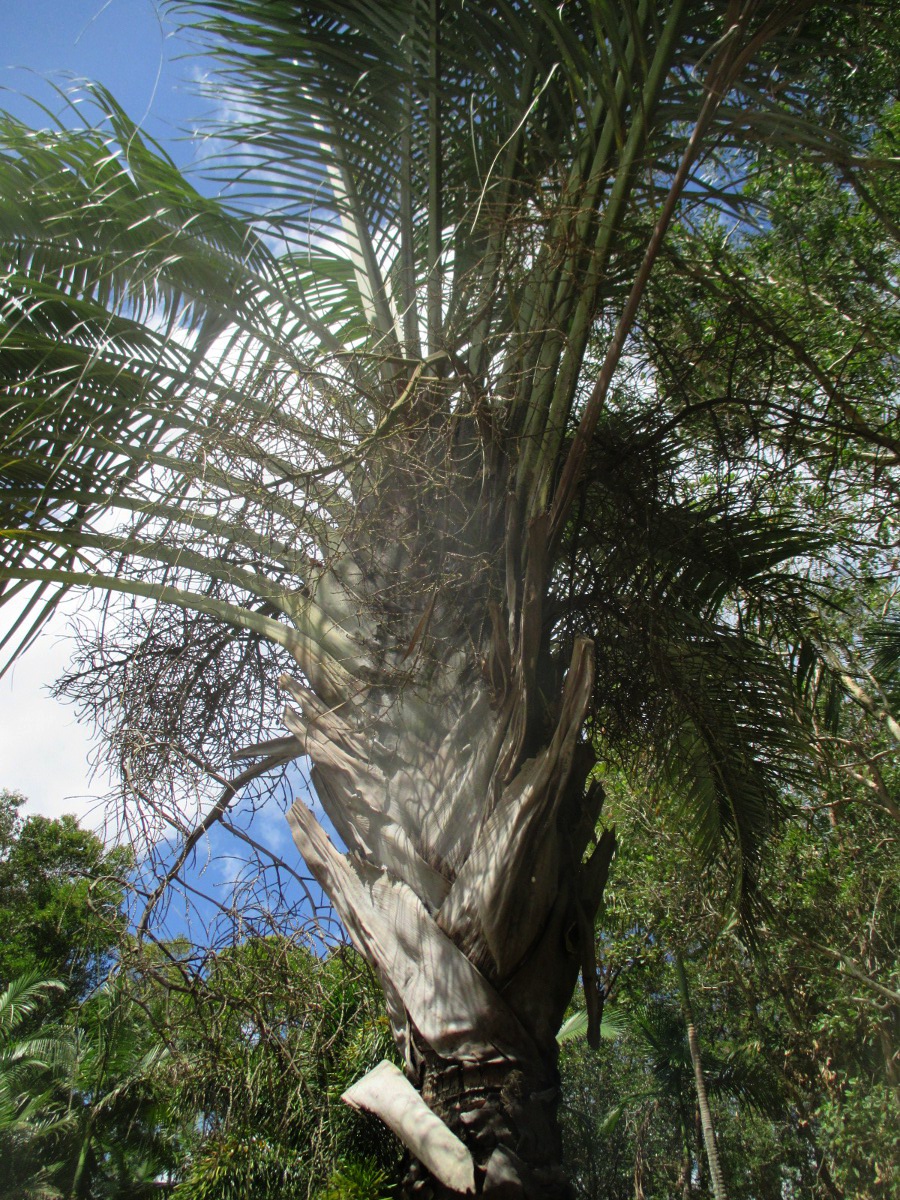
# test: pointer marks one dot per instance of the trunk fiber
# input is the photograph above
(506, 1114)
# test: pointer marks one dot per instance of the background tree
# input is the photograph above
(419, 443)
(120, 1141)
(799, 1053)
(61, 898)
(30, 1117)
(261, 1053)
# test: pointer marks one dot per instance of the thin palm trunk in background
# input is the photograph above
(706, 1121)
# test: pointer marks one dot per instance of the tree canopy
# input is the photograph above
(61, 898)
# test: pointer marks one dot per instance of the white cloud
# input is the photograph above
(44, 751)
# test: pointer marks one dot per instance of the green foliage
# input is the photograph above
(232, 1085)
(229, 1088)
(884, 639)
(231, 1167)
(123, 1133)
(264, 1047)
(61, 896)
(800, 1049)
(30, 1116)
(858, 1129)
(358, 1181)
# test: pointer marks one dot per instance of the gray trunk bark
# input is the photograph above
(706, 1122)
(448, 754)
(506, 1115)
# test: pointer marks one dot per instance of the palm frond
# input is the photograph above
(884, 637)
(612, 1025)
(21, 999)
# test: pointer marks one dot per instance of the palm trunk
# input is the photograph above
(458, 786)
(706, 1122)
(80, 1179)
(505, 1114)
(640, 1158)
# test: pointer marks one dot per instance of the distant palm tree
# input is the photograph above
(706, 1120)
(122, 1137)
(77, 1109)
(396, 425)
(31, 1118)
(679, 1082)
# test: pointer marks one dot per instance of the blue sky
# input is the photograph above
(130, 46)
(135, 51)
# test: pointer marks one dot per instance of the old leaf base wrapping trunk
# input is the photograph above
(466, 813)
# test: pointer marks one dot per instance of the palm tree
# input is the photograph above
(676, 1087)
(390, 420)
(122, 1136)
(30, 1116)
(706, 1122)
(77, 1107)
